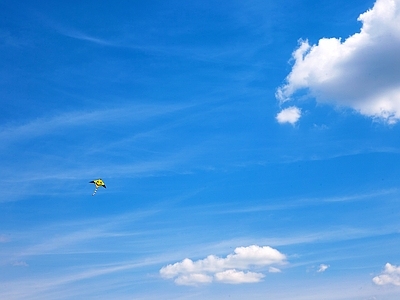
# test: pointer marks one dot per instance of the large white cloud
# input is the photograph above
(390, 275)
(232, 269)
(361, 72)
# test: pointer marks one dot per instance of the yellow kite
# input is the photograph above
(98, 183)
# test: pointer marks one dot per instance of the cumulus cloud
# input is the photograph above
(361, 72)
(322, 268)
(289, 115)
(233, 269)
(390, 275)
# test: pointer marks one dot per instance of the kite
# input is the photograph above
(98, 183)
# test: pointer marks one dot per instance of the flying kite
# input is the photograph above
(98, 183)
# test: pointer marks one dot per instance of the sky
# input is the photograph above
(250, 149)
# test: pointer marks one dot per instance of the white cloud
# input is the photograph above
(322, 268)
(362, 72)
(237, 277)
(390, 275)
(188, 272)
(20, 264)
(289, 115)
(274, 270)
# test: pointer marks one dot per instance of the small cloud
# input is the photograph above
(233, 269)
(390, 275)
(274, 270)
(320, 127)
(289, 115)
(237, 277)
(20, 264)
(322, 268)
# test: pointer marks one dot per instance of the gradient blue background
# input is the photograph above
(172, 104)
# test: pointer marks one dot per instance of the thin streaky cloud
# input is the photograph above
(48, 125)
(35, 287)
(69, 237)
(71, 32)
(362, 196)
(84, 37)
(125, 41)
(42, 181)
(296, 203)
(334, 235)
(205, 53)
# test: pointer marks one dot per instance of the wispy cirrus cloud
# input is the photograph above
(88, 38)
(361, 72)
(45, 286)
(233, 269)
(47, 125)
(61, 239)
(322, 268)
(302, 202)
(71, 32)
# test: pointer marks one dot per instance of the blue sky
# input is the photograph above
(250, 149)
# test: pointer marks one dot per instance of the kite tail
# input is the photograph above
(95, 190)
